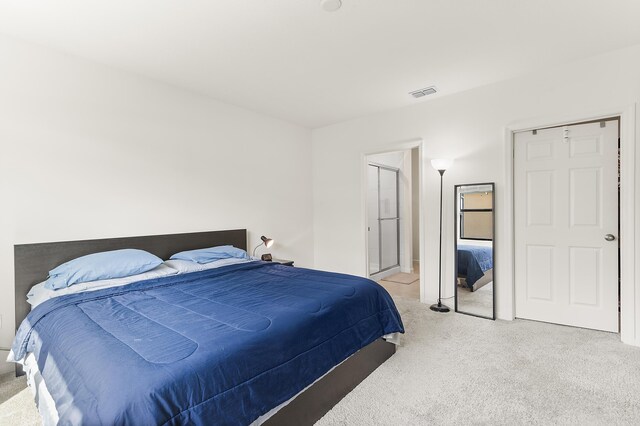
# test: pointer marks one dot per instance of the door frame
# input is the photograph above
(406, 145)
(629, 285)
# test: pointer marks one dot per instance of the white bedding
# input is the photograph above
(186, 266)
(39, 293)
(44, 400)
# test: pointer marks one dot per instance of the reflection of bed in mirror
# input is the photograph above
(474, 249)
(475, 266)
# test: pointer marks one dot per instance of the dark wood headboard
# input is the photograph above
(34, 261)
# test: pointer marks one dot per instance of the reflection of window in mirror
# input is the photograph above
(476, 215)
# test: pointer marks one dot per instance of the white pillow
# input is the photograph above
(186, 266)
(39, 293)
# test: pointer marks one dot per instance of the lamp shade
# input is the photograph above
(268, 242)
(441, 164)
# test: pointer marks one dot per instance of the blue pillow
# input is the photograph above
(101, 266)
(207, 255)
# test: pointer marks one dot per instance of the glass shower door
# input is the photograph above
(373, 216)
(384, 220)
(389, 219)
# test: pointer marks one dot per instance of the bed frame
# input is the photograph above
(34, 261)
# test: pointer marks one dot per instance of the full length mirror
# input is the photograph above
(474, 245)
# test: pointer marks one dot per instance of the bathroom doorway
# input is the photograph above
(392, 210)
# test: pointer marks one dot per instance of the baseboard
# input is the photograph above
(382, 275)
(629, 341)
(6, 367)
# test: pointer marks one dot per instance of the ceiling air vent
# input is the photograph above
(423, 92)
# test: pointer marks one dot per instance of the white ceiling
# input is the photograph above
(290, 59)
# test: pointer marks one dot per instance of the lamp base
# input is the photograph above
(439, 307)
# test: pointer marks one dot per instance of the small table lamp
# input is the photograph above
(268, 242)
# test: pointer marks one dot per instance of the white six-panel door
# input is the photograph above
(566, 211)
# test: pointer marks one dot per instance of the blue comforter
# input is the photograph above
(473, 262)
(222, 346)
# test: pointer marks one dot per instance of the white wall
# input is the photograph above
(92, 152)
(469, 127)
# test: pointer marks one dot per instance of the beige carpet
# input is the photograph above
(16, 402)
(457, 369)
(402, 278)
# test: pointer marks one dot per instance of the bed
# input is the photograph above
(475, 265)
(254, 342)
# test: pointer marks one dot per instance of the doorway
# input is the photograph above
(566, 223)
(392, 221)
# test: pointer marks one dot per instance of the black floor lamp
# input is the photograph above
(441, 166)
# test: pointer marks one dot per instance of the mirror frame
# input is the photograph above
(455, 247)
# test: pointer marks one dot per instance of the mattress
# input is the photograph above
(44, 401)
(172, 359)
